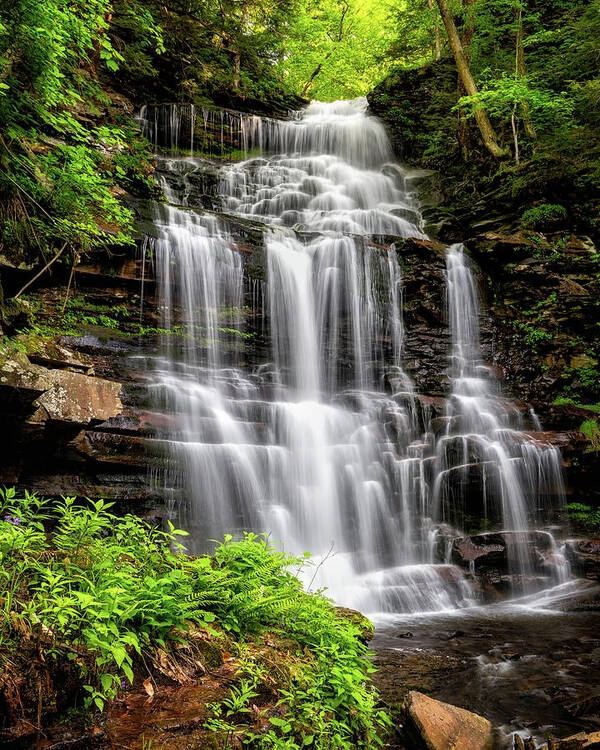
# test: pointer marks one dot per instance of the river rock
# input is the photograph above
(579, 741)
(359, 620)
(440, 726)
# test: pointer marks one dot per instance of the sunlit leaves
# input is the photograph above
(345, 42)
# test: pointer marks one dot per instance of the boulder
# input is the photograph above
(127, 451)
(18, 377)
(584, 556)
(439, 726)
(55, 355)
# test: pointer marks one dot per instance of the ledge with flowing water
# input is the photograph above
(328, 442)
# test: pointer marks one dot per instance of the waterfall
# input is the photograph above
(323, 442)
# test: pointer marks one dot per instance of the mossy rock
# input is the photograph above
(359, 620)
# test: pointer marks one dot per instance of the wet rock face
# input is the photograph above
(96, 430)
(111, 460)
(540, 290)
(491, 553)
(440, 726)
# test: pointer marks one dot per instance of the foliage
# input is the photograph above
(337, 49)
(60, 168)
(414, 26)
(99, 590)
(584, 517)
(591, 430)
(507, 95)
(543, 216)
(535, 66)
(533, 336)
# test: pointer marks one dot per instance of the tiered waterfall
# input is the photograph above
(323, 441)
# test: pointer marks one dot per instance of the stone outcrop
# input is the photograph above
(434, 725)
(51, 409)
(516, 272)
(492, 559)
(77, 399)
(540, 286)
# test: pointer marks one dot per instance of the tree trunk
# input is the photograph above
(314, 74)
(520, 72)
(515, 132)
(485, 126)
(438, 41)
(237, 70)
(467, 37)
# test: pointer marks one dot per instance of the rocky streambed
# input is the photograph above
(530, 666)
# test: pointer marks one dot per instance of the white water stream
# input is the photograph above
(310, 445)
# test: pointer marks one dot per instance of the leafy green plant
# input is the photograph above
(102, 589)
(533, 336)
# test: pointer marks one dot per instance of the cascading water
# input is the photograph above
(325, 443)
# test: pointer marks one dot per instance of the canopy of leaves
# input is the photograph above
(338, 49)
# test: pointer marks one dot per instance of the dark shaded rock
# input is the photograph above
(491, 553)
(579, 741)
(584, 556)
(118, 449)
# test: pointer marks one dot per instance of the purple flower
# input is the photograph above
(14, 520)
(123, 684)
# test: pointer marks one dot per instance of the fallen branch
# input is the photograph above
(39, 273)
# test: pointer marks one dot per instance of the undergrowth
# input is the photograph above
(101, 591)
